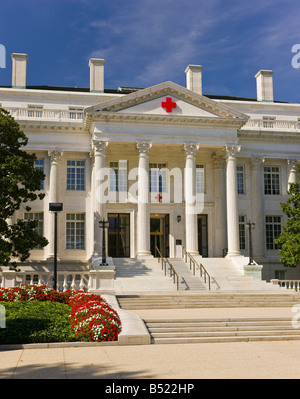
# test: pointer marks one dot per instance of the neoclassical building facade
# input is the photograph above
(166, 166)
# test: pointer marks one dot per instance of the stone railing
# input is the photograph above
(45, 114)
(288, 284)
(272, 124)
(98, 281)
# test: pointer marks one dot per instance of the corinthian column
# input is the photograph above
(53, 197)
(98, 150)
(232, 201)
(143, 214)
(292, 171)
(191, 227)
(257, 207)
(220, 234)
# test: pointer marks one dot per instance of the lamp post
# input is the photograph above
(55, 207)
(250, 226)
(103, 224)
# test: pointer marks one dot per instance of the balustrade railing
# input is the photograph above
(44, 113)
(288, 284)
(274, 124)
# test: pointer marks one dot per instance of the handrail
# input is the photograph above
(163, 266)
(202, 269)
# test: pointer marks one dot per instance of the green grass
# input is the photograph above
(34, 321)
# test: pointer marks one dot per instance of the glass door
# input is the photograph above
(119, 235)
(159, 234)
(202, 236)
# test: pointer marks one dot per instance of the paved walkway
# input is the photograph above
(259, 360)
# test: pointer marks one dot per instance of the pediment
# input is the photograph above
(167, 100)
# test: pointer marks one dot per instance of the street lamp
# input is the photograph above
(55, 207)
(250, 226)
(103, 224)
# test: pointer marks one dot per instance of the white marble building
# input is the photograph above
(166, 165)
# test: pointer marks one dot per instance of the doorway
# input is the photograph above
(119, 235)
(159, 235)
(202, 236)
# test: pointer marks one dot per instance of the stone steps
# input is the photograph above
(211, 300)
(220, 330)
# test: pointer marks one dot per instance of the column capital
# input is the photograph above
(54, 156)
(143, 147)
(99, 146)
(292, 165)
(257, 162)
(232, 151)
(190, 150)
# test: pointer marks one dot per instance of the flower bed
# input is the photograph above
(91, 318)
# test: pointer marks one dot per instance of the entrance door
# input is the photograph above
(159, 234)
(119, 235)
(202, 235)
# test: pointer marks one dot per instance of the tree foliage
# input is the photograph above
(289, 240)
(19, 185)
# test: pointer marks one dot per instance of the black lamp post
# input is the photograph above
(250, 226)
(103, 224)
(55, 207)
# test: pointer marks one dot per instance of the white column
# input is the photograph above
(191, 227)
(99, 149)
(292, 171)
(232, 201)
(220, 230)
(257, 208)
(53, 197)
(143, 214)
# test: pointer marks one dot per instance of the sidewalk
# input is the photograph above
(259, 360)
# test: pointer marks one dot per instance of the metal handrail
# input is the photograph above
(202, 269)
(164, 262)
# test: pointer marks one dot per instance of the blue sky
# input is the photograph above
(146, 42)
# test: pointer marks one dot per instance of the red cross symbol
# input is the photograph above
(168, 104)
(158, 197)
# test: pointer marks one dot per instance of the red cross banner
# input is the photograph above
(168, 104)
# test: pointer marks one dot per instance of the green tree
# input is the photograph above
(289, 240)
(19, 185)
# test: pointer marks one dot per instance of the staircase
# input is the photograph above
(189, 300)
(187, 281)
(141, 276)
(221, 330)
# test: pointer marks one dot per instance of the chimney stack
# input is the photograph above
(264, 85)
(194, 78)
(96, 75)
(19, 70)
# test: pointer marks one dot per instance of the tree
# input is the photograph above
(289, 240)
(19, 184)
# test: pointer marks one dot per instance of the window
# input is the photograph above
(35, 111)
(268, 121)
(273, 230)
(240, 179)
(242, 231)
(76, 175)
(75, 113)
(157, 178)
(39, 165)
(75, 230)
(200, 184)
(280, 274)
(39, 216)
(118, 176)
(272, 180)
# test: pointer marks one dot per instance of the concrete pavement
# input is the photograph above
(240, 360)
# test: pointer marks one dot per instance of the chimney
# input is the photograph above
(264, 85)
(96, 75)
(19, 69)
(194, 78)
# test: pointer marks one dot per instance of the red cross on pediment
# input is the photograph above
(168, 104)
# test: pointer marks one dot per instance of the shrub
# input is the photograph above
(91, 318)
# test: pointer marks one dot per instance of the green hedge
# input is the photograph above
(35, 321)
